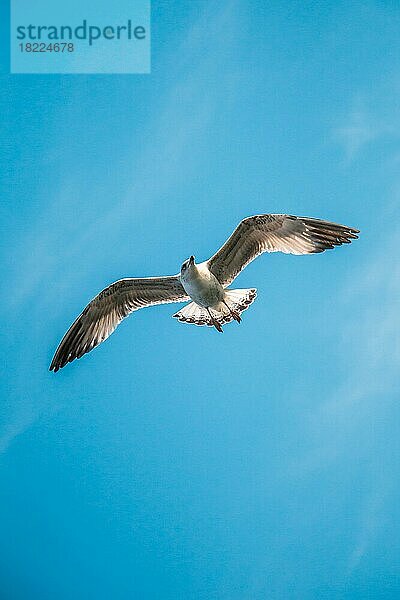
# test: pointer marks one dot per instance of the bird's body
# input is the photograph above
(205, 284)
(201, 285)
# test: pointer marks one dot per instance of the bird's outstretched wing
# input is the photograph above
(275, 233)
(102, 315)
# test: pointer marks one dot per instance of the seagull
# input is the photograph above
(204, 284)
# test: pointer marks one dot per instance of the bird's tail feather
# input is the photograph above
(237, 301)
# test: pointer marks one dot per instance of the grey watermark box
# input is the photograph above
(80, 36)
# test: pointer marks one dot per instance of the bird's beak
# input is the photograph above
(191, 260)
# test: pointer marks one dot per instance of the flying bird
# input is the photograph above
(204, 284)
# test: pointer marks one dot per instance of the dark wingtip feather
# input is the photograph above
(326, 235)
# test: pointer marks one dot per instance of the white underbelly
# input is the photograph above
(204, 290)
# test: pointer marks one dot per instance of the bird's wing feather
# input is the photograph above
(275, 233)
(102, 315)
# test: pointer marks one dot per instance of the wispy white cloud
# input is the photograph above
(341, 426)
(17, 425)
(21, 410)
(371, 521)
(359, 130)
(371, 345)
(370, 119)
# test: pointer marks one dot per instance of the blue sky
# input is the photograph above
(173, 462)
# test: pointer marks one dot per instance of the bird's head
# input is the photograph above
(186, 266)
